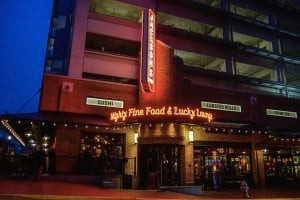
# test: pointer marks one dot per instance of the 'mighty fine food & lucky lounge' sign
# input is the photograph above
(164, 112)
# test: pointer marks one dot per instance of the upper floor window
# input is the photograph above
(252, 41)
(257, 72)
(245, 12)
(116, 9)
(201, 61)
(213, 3)
(189, 25)
(97, 42)
(292, 74)
(290, 4)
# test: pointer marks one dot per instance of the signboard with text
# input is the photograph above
(281, 113)
(164, 112)
(148, 51)
(104, 102)
(221, 106)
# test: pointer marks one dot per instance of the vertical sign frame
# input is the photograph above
(148, 51)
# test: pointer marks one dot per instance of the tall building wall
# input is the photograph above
(232, 66)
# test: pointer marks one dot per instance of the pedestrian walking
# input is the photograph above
(245, 189)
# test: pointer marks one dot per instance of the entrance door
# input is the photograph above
(159, 165)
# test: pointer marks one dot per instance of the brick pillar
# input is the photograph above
(168, 79)
(258, 170)
(67, 149)
(188, 171)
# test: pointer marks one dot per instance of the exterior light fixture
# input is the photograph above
(135, 139)
(191, 136)
(265, 150)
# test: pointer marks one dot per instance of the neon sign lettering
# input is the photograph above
(148, 51)
(151, 40)
(124, 115)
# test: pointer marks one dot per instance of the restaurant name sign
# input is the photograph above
(148, 51)
(164, 111)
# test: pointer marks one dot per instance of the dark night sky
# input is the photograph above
(23, 39)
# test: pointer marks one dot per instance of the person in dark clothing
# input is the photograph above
(102, 165)
(29, 163)
(52, 161)
(3, 162)
(40, 163)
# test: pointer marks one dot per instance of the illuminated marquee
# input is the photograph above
(163, 111)
(148, 51)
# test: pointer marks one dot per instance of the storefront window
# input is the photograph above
(216, 167)
(102, 153)
(281, 165)
(296, 160)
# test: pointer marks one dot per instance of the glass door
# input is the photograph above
(159, 165)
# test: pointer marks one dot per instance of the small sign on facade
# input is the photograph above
(221, 106)
(104, 102)
(281, 113)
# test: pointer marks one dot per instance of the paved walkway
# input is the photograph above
(50, 190)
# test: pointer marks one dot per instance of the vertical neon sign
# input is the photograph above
(148, 51)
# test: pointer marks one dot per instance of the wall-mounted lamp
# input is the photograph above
(135, 139)
(191, 136)
(265, 150)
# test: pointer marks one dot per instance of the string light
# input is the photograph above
(220, 130)
(12, 131)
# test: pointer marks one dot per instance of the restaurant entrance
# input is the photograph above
(159, 165)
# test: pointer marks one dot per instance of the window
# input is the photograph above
(50, 47)
(231, 164)
(292, 73)
(252, 41)
(98, 145)
(190, 25)
(201, 61)
(291, 48)
(279, 164)
(213, 3)
(290, 4)
(112, 45)
(245, 12)
(257, 72)
(116, 9)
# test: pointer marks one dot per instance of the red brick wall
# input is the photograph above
(67, 149)
(253, 106)
(168, 79)
(65, 94)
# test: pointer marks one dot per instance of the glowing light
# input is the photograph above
(163, 111)
(135, 139)
(191, 136)
(12, 131)
(148, 56)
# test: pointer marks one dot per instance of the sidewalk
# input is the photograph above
(50, 190)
